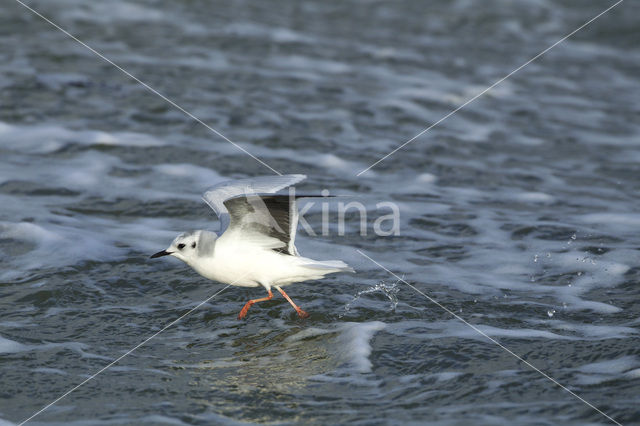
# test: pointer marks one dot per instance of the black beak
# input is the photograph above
(160, 254)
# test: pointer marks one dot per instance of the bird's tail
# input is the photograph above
(329, 265)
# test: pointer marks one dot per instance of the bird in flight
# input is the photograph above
(255, 246)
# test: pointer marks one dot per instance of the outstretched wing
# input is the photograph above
(266, 220)
(216, 196)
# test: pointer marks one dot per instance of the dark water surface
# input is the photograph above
(519, 213)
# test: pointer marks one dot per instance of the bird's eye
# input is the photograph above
(180, 246)
(193, 245)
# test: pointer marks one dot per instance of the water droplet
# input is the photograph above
(548, 254)
(579, 273)
(535, 258)
(550, 312)
(389, 290)
(573, 237)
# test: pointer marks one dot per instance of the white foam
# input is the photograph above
(16, 324)
(307, 333)
(114, 12)
(10, 346)
(426, 178)
(493, 261)
(633, 374)
(455, 328)
(575, 259)
(46, 138)
(196, 178)
(423, 183)
(612, 366)
(332, 161)
(50, 371)
(299, 62)
(627, 219)
(603, 371)
(535, 197)
(57, 245)
(446, 375)
(354, 344)
(29, 232)
(591, 331)
(277, 34)
(427, 93)
(464, 331)
(407, 107)
(573, 303)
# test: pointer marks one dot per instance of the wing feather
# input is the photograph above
(216, 196)
(265, 220)
(293, 227)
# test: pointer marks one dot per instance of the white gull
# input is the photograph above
(255, 246)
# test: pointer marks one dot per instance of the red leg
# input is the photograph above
(301, 313)
(245, 309)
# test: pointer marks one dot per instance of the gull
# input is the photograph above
(255, 246)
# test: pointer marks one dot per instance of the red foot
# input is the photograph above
(302, 314)
(245, 309)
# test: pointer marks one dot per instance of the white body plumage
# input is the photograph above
(240, 263)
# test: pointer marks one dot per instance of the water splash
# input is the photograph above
(390, 290)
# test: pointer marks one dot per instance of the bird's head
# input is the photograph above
(189, 246)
